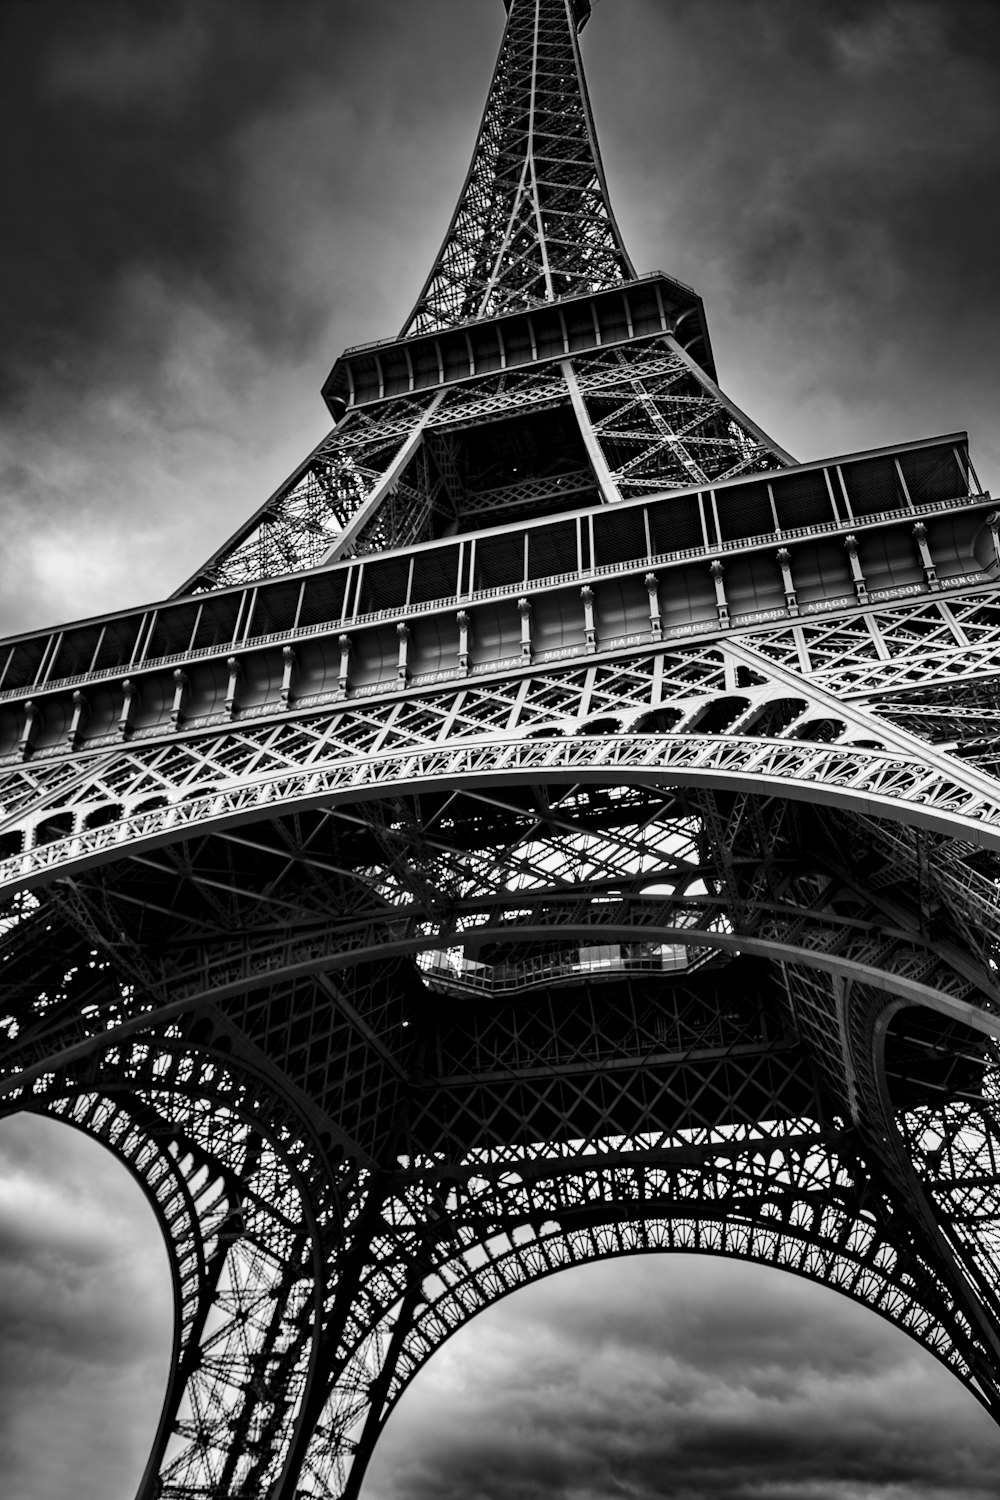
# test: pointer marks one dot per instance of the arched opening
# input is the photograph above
(824, 731)
(10, 843)
(152, 804)
(103, 816)
(547, 732)
(776, 715)
(718, 716)
(59, 826)
(679, 1375)
(606, 725)
(86, 1316)
(662, 721)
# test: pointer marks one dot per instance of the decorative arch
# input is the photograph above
(948, 797)
(831, 1241)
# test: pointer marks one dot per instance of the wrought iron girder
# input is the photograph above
(847, 1033)
(181, 633)
(660, 423)
(539, 491)
(653, 1098)
(953, 1147)
(263, 963)
(964, 717)
(341, 499)
(949, 887)
(532, 228)
(893, 648)
(564, 698)
(384, 1286)
(299, 524)
(849, 942)
(192, 1207)
(75, 714)
(951, 798)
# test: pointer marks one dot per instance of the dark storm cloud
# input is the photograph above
(211, 202)
(826, 175)
(688, 1379)
(132, 127)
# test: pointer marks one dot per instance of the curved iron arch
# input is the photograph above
(469, 1293)
(960, 801)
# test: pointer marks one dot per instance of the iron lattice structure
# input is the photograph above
(556, 826)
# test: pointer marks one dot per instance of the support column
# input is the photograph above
(930, 571)
(587, 595)
(180, 692)
(602, 472)
(721, 602)
(130, 702)
(287, 675)
(78, 720)
(784, 560)
(993, 522)
(655, 620)
(32, 719)
(343, 679)
(860, 587)
(524, 610)
(379, 1391)
(402, 663)
(232, 687)
(312, 1426)
(462, 619)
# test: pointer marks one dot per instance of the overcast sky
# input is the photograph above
(205, 202)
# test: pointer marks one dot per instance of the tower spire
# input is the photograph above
(533, 221)
(615, 382)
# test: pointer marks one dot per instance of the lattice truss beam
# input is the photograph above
(809, 1213)
(164, 780)
(726, 710)
(928, 665)
(628, 421)
(250, 1205)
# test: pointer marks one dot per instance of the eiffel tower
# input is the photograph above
(556, 825)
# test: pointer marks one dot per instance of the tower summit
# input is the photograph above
(532, 291)
(533, 222)
(556, 825)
